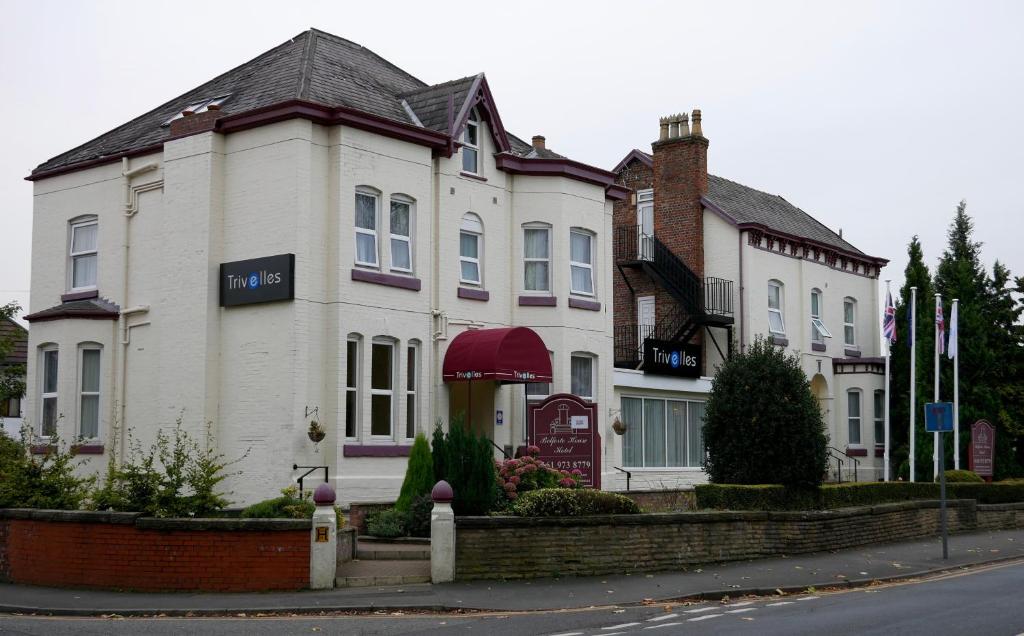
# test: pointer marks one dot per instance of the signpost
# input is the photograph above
(983, 449)
(938, 418)
(565, 427)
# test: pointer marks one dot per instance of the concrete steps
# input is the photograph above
(386, 562)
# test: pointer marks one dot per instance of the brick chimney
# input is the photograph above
(680, 180)
(190, 123)
(538, 142)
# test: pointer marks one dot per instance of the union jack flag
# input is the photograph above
(889, 320)
(940, 325)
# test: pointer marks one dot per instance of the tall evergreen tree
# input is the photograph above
(915, 274)
(988, 339)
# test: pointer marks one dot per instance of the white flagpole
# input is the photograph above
(913, 378)
(888, 352)
(935, 436)
(956, 388)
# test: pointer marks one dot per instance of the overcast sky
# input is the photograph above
(876, 118)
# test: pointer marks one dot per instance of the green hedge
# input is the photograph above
(963, 476)
(571, 502)
(774, 497)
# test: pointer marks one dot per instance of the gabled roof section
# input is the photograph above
(745, 206)
(634, 155)
(436, 105)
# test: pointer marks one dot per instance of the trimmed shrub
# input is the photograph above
(284, 507)
(419, 516)
(963, 477)
(387, 523)
(828, 496)
(469, 468)
(565, 502)
(763, 424)
(439, 452)
(419, 474)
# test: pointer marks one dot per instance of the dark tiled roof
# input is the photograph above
(313, 66)
(19, 353)
(747, 205)
(97, 308)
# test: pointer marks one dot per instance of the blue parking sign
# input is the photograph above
(938, 417)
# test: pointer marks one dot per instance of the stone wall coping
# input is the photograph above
(255, 525)
(152, 523)
(719, 516)
(654, 492)
(76, 516)
(1003, 507)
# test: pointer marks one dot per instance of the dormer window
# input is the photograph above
(471, 145)
(198, 107)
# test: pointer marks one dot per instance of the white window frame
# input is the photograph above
(472, 122)
(643, 447)
(588, 266)
(818, 330)
(392, 237)
(82, 393)
(366, 192)
(777, 310)
(850, 417)
(592, 359)
(850, 328)
(45, 395)
(390, 393)
(354, 341)
(473, 226)
(73, 256)
(547, 230)
(412, 382)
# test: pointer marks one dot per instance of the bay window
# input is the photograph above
(89, 397)
(853, 416)
(537, 259)
(48, 395)
(382, 385)
(352, 401)
(880, 418)
(411, 386)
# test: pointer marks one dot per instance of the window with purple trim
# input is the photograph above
(581, 262)
(853, 416)
(401, 233)
(367, 206)
(471, 145)
(879, 418)
(89, 395)
(818, 330)
(470, 238)
(537, 258)
(849, 322)
(411, 386)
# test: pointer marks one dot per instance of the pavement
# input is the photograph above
(786, 574)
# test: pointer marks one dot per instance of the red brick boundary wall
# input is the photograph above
(523, 548)
(117, 550)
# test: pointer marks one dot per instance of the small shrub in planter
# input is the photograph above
(419, 516)
(963, 477)
(419, 474)
(387, 523)
(566, 502)
(287, 506)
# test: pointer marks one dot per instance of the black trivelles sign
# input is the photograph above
(257, 280)
(672, 358)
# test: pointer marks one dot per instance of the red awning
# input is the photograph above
(511, 354)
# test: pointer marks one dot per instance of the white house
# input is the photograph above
(705, 265)
(316, 235)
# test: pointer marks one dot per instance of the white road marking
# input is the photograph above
(569, 634)
(740, 604)
(662, 625)
(623, 625)
(779, 603)
(740, 611)
(704, 618)
(808, 598)
(661, 618)
(701, 609)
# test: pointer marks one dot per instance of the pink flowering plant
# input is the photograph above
(516, 476)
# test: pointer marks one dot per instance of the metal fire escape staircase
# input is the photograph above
(699, 303)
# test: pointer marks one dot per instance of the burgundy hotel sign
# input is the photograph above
(564, 427)
(983, 448)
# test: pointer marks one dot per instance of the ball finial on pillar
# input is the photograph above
(324, 495)
(442, 492)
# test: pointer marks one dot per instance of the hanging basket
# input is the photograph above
(619, 426)
(316, 432)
